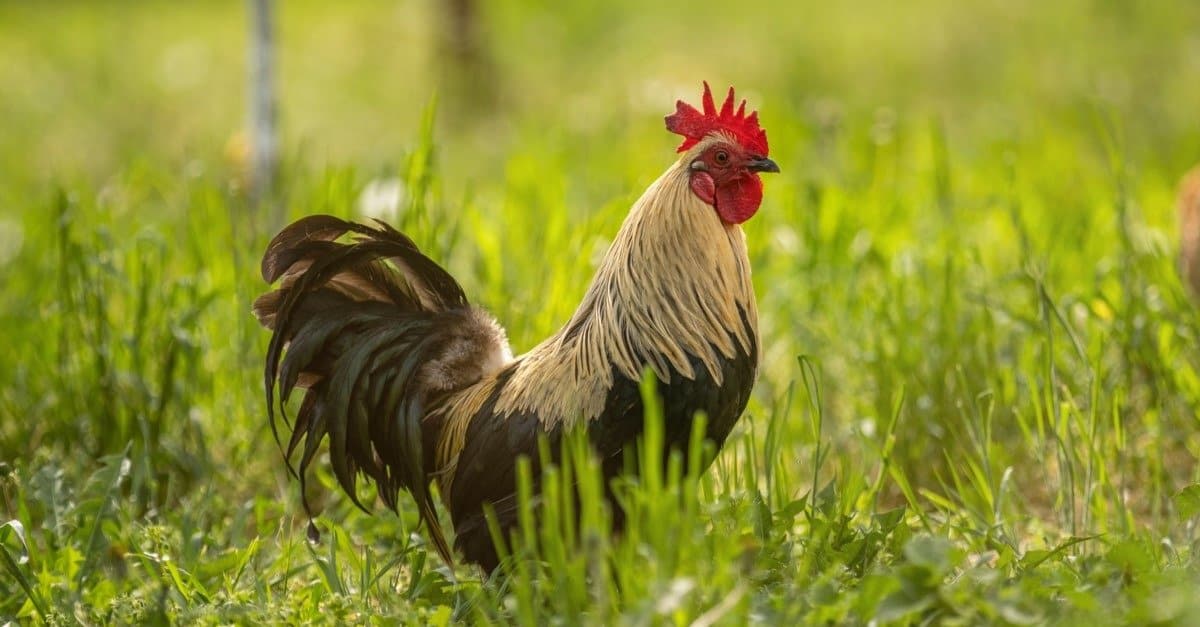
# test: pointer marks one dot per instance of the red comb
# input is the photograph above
(694, 126)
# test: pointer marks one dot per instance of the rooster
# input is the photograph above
(413, 384)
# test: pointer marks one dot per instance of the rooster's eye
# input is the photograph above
(722, 157)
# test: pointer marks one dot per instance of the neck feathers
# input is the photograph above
(676, 277)
(675, 284)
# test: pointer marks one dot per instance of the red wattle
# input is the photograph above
(737, 201)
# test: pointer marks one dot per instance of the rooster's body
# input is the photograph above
(413, 384)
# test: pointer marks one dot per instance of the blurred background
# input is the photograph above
(92, 86)
(974, 232)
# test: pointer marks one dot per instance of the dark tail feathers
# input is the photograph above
(375, 332)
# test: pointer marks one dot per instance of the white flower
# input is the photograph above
(381, 199)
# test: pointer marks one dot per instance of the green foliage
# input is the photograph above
(971, 248)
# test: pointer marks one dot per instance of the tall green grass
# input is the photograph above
(979, 378)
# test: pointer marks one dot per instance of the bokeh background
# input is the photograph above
(973, 241)
(94, 85)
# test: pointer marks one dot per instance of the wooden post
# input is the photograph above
(469, 75)
(264, 141)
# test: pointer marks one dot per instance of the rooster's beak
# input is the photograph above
(762, 164)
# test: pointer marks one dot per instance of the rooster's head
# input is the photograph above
(726, 150)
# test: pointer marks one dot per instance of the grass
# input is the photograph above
(977, 400)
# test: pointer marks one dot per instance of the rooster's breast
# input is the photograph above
(721, 399)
